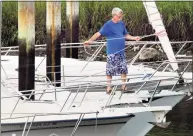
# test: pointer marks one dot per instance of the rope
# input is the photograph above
(144, 36)
(4, 49)
(95, 56)
(161, 33)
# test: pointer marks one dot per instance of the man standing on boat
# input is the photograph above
(116, 34)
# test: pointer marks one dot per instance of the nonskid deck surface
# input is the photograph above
(93, 104)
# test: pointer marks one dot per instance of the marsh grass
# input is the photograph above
(177, 18)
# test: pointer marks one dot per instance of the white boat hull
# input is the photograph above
(102, 130)
(104, 127)
(107, 127)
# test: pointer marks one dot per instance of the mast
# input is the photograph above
(156, 21)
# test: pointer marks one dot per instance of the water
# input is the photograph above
(182, 121)
(181, 118)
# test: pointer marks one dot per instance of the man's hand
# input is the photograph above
(130, 37)
(93, 38)
(137, 38)
(86, 43)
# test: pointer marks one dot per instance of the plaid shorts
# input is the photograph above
(116, 65)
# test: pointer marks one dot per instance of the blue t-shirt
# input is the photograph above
(112, 31)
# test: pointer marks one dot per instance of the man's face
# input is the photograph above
(119, 17)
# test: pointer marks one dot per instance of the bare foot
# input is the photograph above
(109, 90)
(124, 87)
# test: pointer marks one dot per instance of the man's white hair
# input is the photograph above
(116, 11)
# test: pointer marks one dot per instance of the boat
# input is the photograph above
(81, 107)
(62, 107)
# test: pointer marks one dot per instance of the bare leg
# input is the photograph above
(109, 78)
(124, 78)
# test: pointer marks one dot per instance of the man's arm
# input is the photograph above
(130, 37)
(93, 38)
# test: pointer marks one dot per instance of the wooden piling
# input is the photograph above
(0, 26)
(192, 64)
(72, 29)
(26, 43)
(53, 26)
(0, 23)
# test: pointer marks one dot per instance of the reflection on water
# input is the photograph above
(182, 121)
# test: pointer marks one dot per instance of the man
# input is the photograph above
(116, 34)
